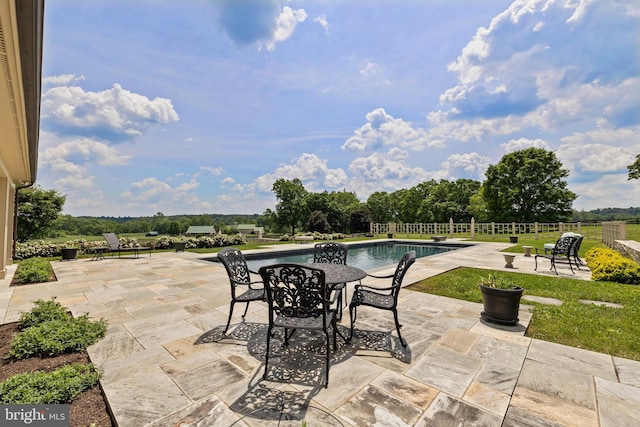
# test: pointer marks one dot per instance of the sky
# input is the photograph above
(199, 106)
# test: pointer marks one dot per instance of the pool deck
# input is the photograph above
(166, 362)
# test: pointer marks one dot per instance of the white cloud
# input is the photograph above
(606, 192)
(285, 26)
(153, 194)
(522, 143)
(62, 80)
(309, 168)
(382, 130)
(213, 171)
(113, 114)
(322, 20)
(374, 73)
(474, 165)
(550, 71)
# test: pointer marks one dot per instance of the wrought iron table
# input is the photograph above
(335, 274)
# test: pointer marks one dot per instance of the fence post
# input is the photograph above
(473, 228)
(493, 230)
(451, 227)
(536, 229)
(513, 228)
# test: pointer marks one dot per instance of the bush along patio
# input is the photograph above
(46, 362)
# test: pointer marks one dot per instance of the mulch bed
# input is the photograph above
(87, 409)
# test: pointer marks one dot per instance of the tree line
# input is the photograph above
(524, 186)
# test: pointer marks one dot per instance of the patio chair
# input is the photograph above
(297, 299)
(333, 253)
(575, 251)
(382, 298)
(242, 288)
(115, 246)
(562, 252)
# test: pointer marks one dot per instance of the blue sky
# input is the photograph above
(190, 107)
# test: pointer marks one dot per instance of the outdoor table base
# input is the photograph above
(98, 253)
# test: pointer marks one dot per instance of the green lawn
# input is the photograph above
(613, 331)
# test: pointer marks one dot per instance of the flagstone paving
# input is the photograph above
(167, 363)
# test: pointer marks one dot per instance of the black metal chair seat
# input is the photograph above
(372, 299)
(314, 323)
(251, 295)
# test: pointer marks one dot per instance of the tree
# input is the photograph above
(318, 222)
(528, 185)
(38, 211)
(290, 209)
(634, 169)
(360, 221)
(379, 207)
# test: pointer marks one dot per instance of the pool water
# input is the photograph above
(365, 256)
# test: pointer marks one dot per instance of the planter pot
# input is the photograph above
(390, 235)
(501, 305)
(513, 239)
(179, 246)
(69, 254)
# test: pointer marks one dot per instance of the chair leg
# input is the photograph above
(266, 355)
(398, 326)
(245, 310)
(229, 319)
(328, 358)
(352, 318)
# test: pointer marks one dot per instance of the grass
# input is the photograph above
(608, 330)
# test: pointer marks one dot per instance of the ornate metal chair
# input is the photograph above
(562, 251)
(382, 298)
(333, 253)
(297, 299)
(239, 278)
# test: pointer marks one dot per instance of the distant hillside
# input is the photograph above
(608, 214)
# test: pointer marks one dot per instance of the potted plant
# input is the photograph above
(69, 253)
(501, 299)
(179, 245)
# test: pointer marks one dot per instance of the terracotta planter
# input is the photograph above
(69, 254)
(501, 305)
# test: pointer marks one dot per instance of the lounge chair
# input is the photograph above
(115, 246)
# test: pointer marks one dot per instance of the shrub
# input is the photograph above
(608, 265)
(33, 270)
(57, 337)
(59, 386)
(43, 311)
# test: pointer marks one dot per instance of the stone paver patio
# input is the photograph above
(166, 363)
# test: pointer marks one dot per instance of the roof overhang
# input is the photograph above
(21, 35)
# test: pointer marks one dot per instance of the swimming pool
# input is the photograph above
(367, 256)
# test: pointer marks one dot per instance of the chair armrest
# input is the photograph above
(388, 276)
(361, 286)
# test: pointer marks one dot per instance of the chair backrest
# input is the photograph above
(112, 241)
(294, 290)
(236, 267)
(330, 253)
(564, 245)
(575, 249)
(407, 260)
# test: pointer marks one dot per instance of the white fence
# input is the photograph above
(538, 230)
